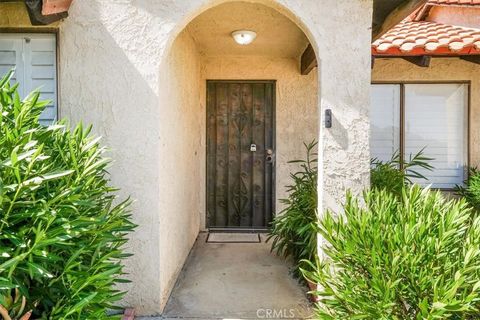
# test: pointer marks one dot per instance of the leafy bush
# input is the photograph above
(294, 231)
(471, 190)
(14, 307)
(394, 175)
(60, 232)
(414, 258)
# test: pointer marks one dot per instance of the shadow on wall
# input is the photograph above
(155, 136)
(109, 78)
(340, 134)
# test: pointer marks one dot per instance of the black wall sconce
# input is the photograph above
(328, 118)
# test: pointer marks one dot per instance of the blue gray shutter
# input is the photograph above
(34, 57)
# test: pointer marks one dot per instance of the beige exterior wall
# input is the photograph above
(441, 69)
(181, 160)
(121, 69)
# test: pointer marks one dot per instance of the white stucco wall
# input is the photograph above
(441, 69)
(117, 72)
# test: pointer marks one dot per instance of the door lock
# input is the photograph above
(269, 156)
(253, 147)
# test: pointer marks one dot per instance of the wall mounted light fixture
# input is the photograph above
(328, 118)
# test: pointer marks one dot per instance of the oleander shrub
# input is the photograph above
(62, 228)
(294, 230)
(393, 175)
(471, 189)
(417, 257)
(13, 306)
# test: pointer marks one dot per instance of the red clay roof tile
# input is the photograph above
(410, 38)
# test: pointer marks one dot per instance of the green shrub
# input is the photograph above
(294, 231)
(60, 232)
(393, 175)
(13, 307)
(471, 190)
(414, 258)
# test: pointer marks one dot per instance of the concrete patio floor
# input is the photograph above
(235, 281)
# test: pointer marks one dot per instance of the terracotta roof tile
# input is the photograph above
(422, 37)
(454, 2)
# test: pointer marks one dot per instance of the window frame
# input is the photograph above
(402, 84)
(43, 30)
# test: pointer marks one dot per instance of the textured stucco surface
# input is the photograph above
(117, 72)
(345, 89)
(182, 121)
(297, 118)
(441, 69)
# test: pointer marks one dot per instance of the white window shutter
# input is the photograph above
(11, 57)
(34, 58)
(384, 121)
(436, 118)
(40, 72)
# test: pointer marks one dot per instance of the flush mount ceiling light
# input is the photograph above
(244, 37)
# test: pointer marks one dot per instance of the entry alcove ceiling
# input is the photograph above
(277, 35)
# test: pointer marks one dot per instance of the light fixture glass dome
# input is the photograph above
(244, 37)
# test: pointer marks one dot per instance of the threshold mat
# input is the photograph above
(227, 237)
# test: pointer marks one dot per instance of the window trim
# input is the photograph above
(43, 30)
(402, 84)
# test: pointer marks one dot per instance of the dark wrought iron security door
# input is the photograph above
(240, 154)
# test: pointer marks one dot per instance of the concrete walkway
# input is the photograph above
(235, 281)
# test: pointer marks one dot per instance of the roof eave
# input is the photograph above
(388, 13)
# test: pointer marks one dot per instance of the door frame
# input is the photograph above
(274, 164)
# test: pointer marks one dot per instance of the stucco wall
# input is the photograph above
(441, 69)
(297, 118)
(108, 76)
(182, 159)
(114, 58)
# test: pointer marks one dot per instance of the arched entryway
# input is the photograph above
(239, 114)
(132, 69)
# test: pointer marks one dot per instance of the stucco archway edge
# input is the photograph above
(340, 33)
(196, 8)
(174, 48)
(112, 72)
(123, 47)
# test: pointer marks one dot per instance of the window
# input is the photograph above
(34, 58)
(409, 117)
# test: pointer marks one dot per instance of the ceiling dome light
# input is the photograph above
(244, 37)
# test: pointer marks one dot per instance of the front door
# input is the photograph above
(240, 154)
